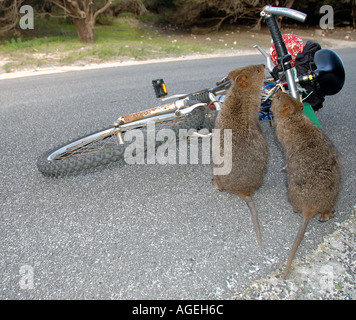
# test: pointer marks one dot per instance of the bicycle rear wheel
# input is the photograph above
(101, 148)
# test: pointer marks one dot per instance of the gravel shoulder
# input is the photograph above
(326, 273)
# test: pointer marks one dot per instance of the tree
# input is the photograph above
(84, 14)
(353, 13)
(9, 14)
(208, 15)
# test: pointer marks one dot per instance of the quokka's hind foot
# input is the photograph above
(216, 184)
(327, 215)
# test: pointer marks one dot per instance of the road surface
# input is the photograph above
(142, 231)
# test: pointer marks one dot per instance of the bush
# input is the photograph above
(209, 12)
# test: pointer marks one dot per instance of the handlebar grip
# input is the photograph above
(270, 14)
(276, 34)
(285, 12)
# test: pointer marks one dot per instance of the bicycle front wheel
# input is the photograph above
(101, 148)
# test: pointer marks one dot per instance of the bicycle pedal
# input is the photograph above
(160, 88)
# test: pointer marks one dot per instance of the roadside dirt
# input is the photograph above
(244, 37)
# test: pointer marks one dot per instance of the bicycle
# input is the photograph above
(195, 110)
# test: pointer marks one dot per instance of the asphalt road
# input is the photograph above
(141, 231)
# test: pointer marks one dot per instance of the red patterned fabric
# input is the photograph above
(294, 45)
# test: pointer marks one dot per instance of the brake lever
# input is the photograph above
(269, 63)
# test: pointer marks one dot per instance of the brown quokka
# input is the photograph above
(249, 150)
(313, 165)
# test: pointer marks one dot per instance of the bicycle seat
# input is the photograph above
(330, 71)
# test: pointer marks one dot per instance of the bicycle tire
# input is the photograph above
(69, 164)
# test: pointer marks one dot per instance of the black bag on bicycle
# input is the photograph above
(304, 63)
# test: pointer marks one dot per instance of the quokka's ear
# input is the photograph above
(241, 77)
(286, 109)
(291, 107)
(299, 106)
(234, 74)
(244, 80)
(288, 104)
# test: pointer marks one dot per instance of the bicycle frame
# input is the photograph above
(180, 107)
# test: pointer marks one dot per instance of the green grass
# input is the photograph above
(56, 43)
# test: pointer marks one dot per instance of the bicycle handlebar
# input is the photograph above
(270, 13)
(285, 12)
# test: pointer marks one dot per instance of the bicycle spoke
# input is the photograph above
(94, 146)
